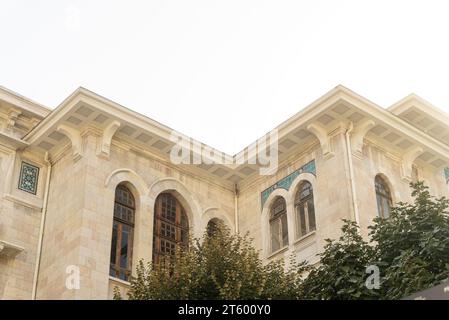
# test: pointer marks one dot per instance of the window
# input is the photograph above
(278, 225)
(305, 210)
(171, 227)
(122, 233)
(383, 195)
(213, 226)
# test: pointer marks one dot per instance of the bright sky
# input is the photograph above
(225, 72)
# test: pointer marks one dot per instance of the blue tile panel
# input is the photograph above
(285, 183)
(28, 179)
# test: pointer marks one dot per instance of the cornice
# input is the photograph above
(303, 119)
(12, 142)
(372, 143)
(291, 160)
(192, 172)
(23, 103)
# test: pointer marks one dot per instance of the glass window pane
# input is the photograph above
(124, 248)
(311, 211)
(383, 196)
(302, 221)
(305, 190)
(184, 220)
(305, 210)
(278, 224)
(284, 230)
(278, 207)
(184, 237)
(114, 243)
(170, 227)
(123, 213)
(122, 229)
(379, 205)
(168, 231)
(386, 208)
(275, 235)
(124, 196)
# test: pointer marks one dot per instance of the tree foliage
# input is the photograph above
(342, 270)
(410, 248)
(219, 266)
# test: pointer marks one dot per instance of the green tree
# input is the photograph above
(219, 266)
(341, 273)
(411, 249)
(412, 246)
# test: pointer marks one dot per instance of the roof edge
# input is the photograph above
(34, 107)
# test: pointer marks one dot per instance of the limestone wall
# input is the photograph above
(20, 216)
(377, 161)
(80, 208)
(331, 199)
(80, 214)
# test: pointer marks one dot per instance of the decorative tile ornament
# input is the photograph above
(446, 174)
(285, 183)
(28, 178)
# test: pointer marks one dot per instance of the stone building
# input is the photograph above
(90, 186)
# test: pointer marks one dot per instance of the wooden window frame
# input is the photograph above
(302, 202)
(275, 217)
(158, 237)
(383, 192)
(115, 270)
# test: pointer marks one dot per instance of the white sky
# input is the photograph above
(225, 72)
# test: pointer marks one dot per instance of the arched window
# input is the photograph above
(278, 224)
(383, 195)
(122, 233)
(305, 210)
(171, 227)
(213, 226)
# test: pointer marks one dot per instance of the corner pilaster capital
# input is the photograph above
(104, 148)
(358, 135)
(407, 162)
(321, 133)
(75, 138)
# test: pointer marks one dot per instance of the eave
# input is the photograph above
(424, 116)
(334, 110)
(86, 110)
(23, 103)
(12, 142)
(341, 106)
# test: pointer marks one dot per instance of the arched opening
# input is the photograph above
(304, 209)
(213, 226)
(383, 197)
(122, 233)
(171, 227)
(278, 224)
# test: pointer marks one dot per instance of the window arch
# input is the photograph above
(304, 209)
(171, 227)
(278, 224)
(383, 196)
(122, 233)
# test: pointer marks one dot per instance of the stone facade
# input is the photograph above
(61, 216)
